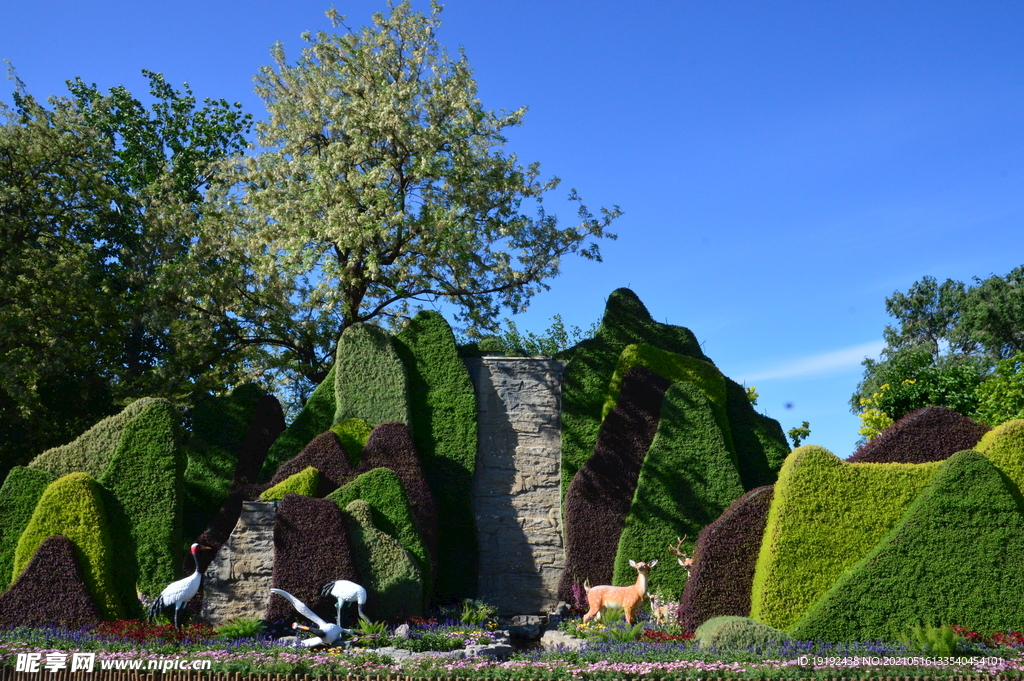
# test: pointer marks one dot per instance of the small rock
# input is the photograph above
(554, 639)
(289, 640)
(499, 651)
(396, 654)
(525, 627)
(402, 631)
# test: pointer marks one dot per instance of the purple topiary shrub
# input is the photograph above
(602, 490)
(326, 454)
(927, 434)
(266, 426)
(723, 561)
(51, 590)
(311, 548)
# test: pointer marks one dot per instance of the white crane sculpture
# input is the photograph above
(178, 593)
(345, 592)
(328, 633)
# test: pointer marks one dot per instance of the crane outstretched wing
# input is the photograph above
(301, 607)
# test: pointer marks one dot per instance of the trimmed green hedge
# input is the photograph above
(316, 416)
(393, 582)
(145, 480)
(304, 483)
(1004, 446)
(687, 480)
(590, 367)
(369, 377)
(73, 506)
(382, 490)
(444, 431)
(353, 434)
(92, 451)
(956, 557)
(761, 446)
(676, 368)
(826, 515)
(731, 632)
(19, 495)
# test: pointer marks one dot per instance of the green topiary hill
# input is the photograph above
(676, 368)
(145, 481)
(687, 480)
(316, 416)
(73, 506)
(443, 427)
(1004, 446)
(353, 434)
(92, 451)
(590, 367)
(956, 557)
(761, 446)
(369, 377)
(304, 483)
(389, 573)
(19, 495)
(826, 515)
(382, 490)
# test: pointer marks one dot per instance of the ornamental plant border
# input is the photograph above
(8, 674)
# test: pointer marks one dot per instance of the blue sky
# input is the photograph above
(783, 166)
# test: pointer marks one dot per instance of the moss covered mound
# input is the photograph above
(304, 483)
(730, 632)
(723, 561)
(1004, 446)
(316, 416)
(385, 568)
(382, 489)
(264, 428)
(92, 451)
(687, 479)
(73, 506)
(590, 366)
(443, 406)
(761, 446)
(311, 548)
(927, 434)
(326, 454)
(50, 591)
(353, 434)
(956, 556)
(826, 515)
(369, 377)
(19, 495)
(602, 491)
(145, 479)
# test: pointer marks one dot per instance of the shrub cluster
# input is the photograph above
(443, 412)
(393, 582)
(760, 444)
(687, 479)
(311, 548)
(735, 633)
(50, 590)
(18, 498)
(927, 434)
(353, 434)
(1004, 446)
(826, 515)
(369, 377)
(955, 556)
(304, 483)
(602, 490)
(325, 454)
(723, 561)
(316, 416)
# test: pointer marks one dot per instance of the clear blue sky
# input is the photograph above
(783, 166)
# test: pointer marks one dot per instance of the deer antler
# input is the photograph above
(684, 560)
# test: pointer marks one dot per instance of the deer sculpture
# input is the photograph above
(625, 597)
(684, 560)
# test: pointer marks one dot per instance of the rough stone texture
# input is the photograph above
(237, 582)
(516, 484)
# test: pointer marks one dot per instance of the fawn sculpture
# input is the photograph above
(625, 597)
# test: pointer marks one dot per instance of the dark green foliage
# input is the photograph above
(353, 434)
(602, 491)
(92, 451)
(218, 427)
(51, 591)
(687, 479)
(443, 406)
(145, 481)
(736, 633)
(590, 367)
(304, 483)
(956, 555)
(393, 583)
(928, 434)
(382, 490)
(73, 506)
(369, 377)
(18, 498)
(266, 426)
(723, 561)
(760, 444)
(316, 416)
(311, 548)
(325, 454)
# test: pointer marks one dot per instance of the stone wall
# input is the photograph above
(516, 497)
(237, 582)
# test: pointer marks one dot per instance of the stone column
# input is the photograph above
(237, 582)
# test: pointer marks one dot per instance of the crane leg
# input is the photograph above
(337, 619)
(175, 615)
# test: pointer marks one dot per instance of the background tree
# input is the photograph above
(380, 187)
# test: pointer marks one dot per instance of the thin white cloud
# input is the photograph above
(825, 363)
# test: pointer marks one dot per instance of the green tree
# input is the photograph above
(380, 187)
(1001, 396)
(799, 434)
